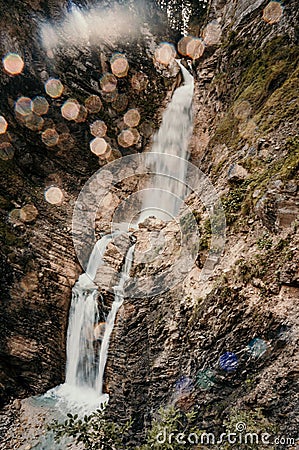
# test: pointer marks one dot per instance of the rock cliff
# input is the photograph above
(245, 140)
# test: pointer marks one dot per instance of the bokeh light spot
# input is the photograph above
(40, 106)
(205, 379)
(273, 12)
(257, 347)
(228, 361)
(28, 213)
(108, 82)
(6, 151)
(121, 103)
(50, 137)
(119, 65)
(54, 88)
(127, 138)
(34, 122)
(70, 109)
(98, 128)
(195, 48)
(242, 110)
(99, 146)
(3, 125)
(139, 81)
(165, 54)
(132, 118)
(23, 106)
(54, 195)
(82, 116)
(212, 33)
(93, 104)
(184, 384)
(13, 64)
(182, 45)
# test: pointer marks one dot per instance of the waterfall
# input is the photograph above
(165, 195)
(86, 359)
(119, 296)
(84, 314)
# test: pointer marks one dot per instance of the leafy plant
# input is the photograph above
(170, 430)
(95, 431)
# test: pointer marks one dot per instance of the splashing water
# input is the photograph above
(165, 199)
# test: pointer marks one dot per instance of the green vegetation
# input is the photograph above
(268, 79)
(250, 424)
(94, 431)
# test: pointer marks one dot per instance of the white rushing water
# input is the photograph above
(86, 359)
(164, 198)
(119, 296)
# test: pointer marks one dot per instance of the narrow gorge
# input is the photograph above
(149, 224)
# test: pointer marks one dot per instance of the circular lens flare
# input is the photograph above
(54, 88)
(13, 64)
(54, 195)
(273, 12)
(3, 125)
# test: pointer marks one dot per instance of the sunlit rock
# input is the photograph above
(3, 125)
(132, 118)
(54, 88)
(54, 195)
(13, 64)
(40, 106)
(237, 173)
(98, 128)
(119, 65)
(93, 104)
(22, 347)
(50, 137)
(273, 12)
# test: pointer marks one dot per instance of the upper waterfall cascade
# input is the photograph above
(164, 200)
